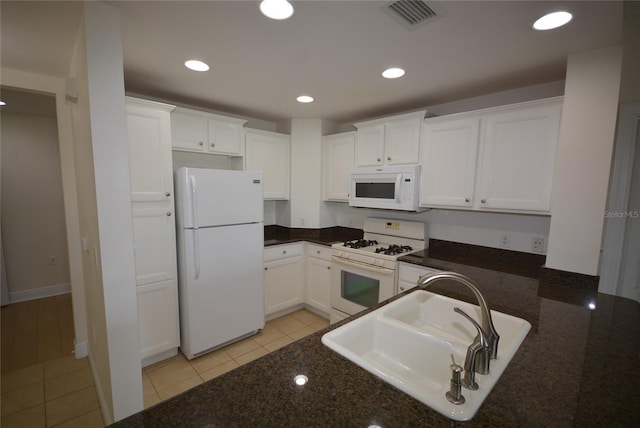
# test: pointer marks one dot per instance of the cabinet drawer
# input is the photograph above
(319, 251)
(411, 273)
(279, 252)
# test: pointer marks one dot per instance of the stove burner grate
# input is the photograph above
(360, 243)
(393, 250)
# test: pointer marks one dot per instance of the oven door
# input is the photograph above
(357, 286)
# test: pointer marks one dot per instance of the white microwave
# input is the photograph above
(385, 187)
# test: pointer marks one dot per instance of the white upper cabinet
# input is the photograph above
(149, 134)
(518, 158)
(269, 152)
(389, 141)
(198, 131)
(499, 159)
(338, 160)
(448, 159)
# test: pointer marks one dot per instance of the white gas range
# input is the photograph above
(364, 270)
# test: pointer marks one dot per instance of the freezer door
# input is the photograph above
(210, 197)
(221, 286)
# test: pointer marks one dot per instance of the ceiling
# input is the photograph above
(334, 51)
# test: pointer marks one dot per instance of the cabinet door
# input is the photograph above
(151, 171)
(448, 158)
(318, 277)
(402, 141)
(370, 145)
(224, 138)
(518, 156)
(269, 152)
(283, 284)
(154, 237)
(157, 318)
(338, 162)
(188, 131)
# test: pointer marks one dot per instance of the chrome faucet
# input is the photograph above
(485, 345)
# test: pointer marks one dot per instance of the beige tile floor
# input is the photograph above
(170, 377)
(56, 393)
(60, 393)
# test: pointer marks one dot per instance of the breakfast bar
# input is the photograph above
(578, 366)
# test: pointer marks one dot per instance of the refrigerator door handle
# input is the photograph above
(196, 254)
(194, 201)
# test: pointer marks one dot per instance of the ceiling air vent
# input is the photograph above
(414, 13)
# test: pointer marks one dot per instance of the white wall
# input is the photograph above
(476, 228)
(102, 168)
(33, 219)
(111, 166)
(583, 160)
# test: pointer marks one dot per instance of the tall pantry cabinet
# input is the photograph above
(151, 172)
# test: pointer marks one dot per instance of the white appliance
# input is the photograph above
(364, 271)
(386, 187)
(220, 257)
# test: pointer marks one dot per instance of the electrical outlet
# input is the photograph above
(53, 260)
(505, 240)
(537, 244)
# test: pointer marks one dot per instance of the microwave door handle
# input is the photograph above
(398, 182)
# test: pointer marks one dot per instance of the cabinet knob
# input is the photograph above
(167, 194)
(401, 288)
(213, 145)
(284, 252)
(379, 159)
(266, 268)
(328, 267)
(200, 143)
(467, 200)
(168, 213)
(389, 158)
(484, 201)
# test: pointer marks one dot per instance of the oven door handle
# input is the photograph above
(364, 266)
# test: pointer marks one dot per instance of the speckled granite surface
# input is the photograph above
(577, 367)
(275, 235)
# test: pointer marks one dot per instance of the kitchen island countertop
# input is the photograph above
(578, 366)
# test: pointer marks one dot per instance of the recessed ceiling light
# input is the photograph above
(195, 65)
(393, 73)
(276, 9)
(552, 20)
(304, 99)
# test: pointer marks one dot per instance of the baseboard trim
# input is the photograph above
(81, 349)
(106, 411)
(39, 293)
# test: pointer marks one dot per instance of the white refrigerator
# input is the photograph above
(220, 257)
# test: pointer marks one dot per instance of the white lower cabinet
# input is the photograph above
(157, 318)
(283, 277)
(319, 277)
(408, 275)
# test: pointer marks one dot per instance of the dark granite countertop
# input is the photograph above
(578, 366)
(276, 235)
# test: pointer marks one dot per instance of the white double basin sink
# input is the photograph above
(409, 342)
